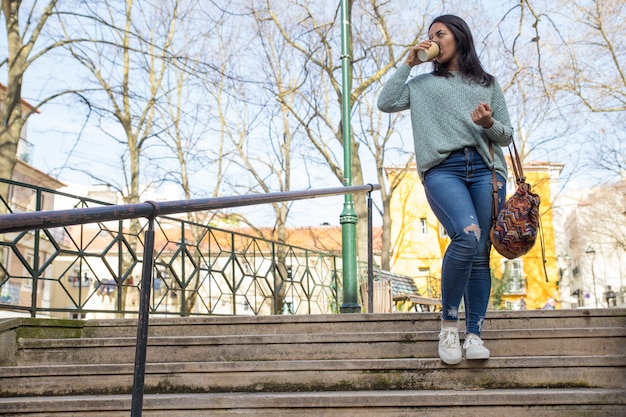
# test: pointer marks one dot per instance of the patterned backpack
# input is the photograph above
(515, 227)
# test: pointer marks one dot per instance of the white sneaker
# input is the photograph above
(449, 346)
(474, 348)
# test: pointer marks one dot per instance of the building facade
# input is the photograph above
(595, 265)
(419, 243)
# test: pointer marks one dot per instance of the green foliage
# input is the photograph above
(499, 286)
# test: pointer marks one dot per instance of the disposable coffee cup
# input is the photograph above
(429, 54)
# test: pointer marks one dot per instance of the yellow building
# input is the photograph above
(419, 242)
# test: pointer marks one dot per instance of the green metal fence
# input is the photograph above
(93, 270)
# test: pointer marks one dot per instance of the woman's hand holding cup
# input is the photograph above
(422, 52)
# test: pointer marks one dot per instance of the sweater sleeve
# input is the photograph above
(501, 132)
(394, 96)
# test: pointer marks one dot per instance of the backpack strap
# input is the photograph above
(494, 181)
(519, 178)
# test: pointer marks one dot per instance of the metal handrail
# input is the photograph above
(17, 222)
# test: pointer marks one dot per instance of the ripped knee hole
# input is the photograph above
(474, 228)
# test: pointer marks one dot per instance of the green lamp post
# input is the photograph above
(348, 218)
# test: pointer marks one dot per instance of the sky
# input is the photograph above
(58, 132)
(54, 134)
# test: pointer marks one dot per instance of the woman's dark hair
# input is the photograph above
(467, 58)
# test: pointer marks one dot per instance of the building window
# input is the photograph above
(10, 293)
(75, 315)
(25, 148)
(514, 270)
(77, 281)
(423, 226)
(442, 231)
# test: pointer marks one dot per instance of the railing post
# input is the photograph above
(142, 322)
(233, 266)
(183, 273)
(35, 266)
(370, 256)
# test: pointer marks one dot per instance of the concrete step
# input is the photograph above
(544, 363)
(345, 323)
(582, 402)
(338, 323)
(318, 375)
(249, 347)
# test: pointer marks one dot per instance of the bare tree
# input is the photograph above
(313, 34)
(593, 48)
(578, 47)
(128, 49)
(256, 125)
(128, 60)
(23, 28)
(183, 113)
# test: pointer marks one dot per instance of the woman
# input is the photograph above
(456, 111)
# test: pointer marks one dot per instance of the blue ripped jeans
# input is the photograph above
(460, 193)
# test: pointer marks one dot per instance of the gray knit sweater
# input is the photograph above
(441, 116)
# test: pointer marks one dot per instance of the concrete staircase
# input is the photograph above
(544, 363)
